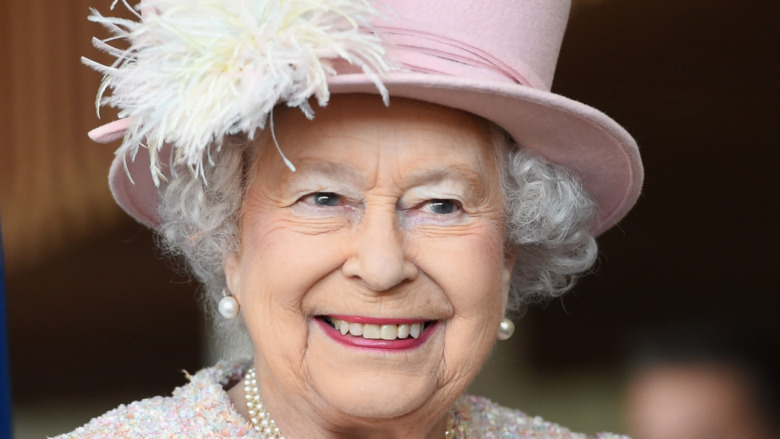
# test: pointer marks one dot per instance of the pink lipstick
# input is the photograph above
(377, 333)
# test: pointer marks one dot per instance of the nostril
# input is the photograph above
(378, 271)
(383, 275)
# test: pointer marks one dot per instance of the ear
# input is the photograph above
(510, 258)
(231, 267)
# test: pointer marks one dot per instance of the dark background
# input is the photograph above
(695, 81)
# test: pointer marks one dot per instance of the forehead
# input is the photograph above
(357, 132)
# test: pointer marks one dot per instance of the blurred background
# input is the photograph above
(97, 317)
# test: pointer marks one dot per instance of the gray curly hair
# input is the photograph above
(547, 215)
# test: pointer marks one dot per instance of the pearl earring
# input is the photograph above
(228, 305)
(505, 329)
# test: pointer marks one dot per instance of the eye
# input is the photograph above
(327, 199)
(332, 205)
(442, 206)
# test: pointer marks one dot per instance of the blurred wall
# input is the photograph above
(89, 297)
(51, 177)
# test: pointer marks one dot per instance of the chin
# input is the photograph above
(375, 385)
(373, 396)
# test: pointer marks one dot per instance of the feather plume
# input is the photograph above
(198, 70)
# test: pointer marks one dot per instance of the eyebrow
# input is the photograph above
(341, 171)
(474, 180)
(336, 170)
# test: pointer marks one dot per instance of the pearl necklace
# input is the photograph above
(264, 424)
(260, 418)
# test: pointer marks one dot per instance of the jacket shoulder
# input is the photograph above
(200, 408)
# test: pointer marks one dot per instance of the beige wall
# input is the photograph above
(53, 189)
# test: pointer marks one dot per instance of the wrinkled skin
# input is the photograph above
(393, 212)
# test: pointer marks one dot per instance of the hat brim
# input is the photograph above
(564, 131)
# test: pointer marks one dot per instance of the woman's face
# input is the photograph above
(391, 225)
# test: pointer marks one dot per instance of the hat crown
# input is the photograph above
(518, 39)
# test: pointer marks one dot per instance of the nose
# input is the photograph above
(379, 256)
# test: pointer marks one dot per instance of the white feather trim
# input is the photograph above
(198, 70)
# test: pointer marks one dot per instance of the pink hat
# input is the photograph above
(495, 59)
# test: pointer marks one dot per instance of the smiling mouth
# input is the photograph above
(375, 331)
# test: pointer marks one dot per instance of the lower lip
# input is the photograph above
(380, 345)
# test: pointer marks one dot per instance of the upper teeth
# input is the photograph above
(377, 332)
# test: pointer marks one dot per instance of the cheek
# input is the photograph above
(279, 266)
(283, 262)
(469, 269)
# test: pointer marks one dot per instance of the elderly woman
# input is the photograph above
(366, 190)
